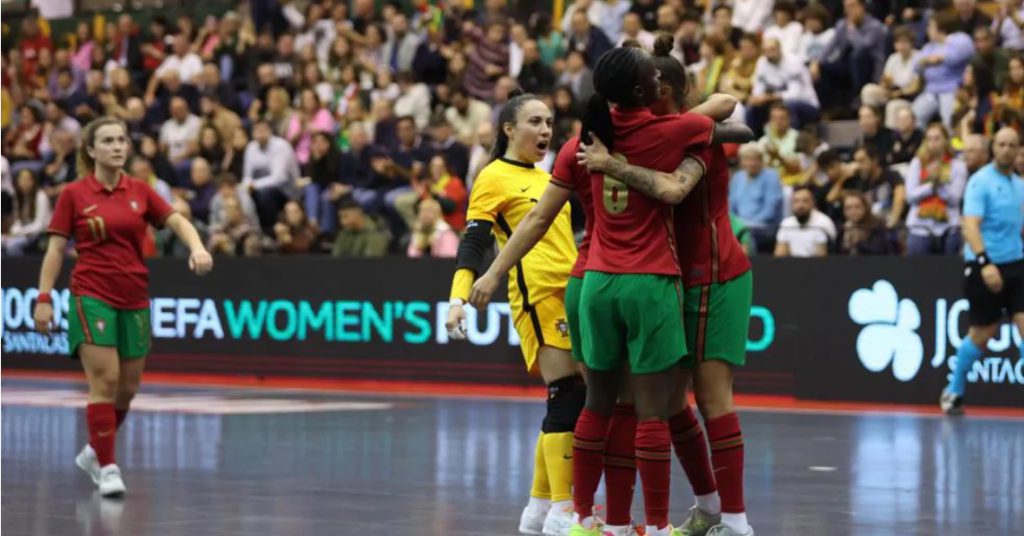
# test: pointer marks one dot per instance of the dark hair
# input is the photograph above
(877, 112)
(786, 6)
(777, 105)
(906, 33)
(828, 158)
(946, 22)
(405, 118)
(720, 7)
(508, 115)
(870, 151)
(616, 74)
(818, 11)
(753, 38)
(348, 203)
(25, 203)
(227, 178)
(803, 188)
(672, 72)
(690, 15)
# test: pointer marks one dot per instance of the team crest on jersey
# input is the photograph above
(101, 325)
(562, 327)
(134, 205)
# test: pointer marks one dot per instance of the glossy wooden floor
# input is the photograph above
(242, 461)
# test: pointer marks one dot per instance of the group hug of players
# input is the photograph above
(656, 299)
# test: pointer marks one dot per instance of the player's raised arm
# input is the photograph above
(669, 188)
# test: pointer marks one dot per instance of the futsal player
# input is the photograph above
(107, 214)
(994, 253)
(718, 295)
(503, 193)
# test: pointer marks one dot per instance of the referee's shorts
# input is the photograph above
(987, 307)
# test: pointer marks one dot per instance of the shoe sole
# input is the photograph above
(113, 494)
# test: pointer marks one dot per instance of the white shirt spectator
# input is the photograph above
(38, 225)
(466, 125)
(790, 78)
(415, 102)
(273, 166)
(813, 46)
(751, 15)
(902, 71)
(1010, 35)
(805, 240)
(593, 15)
(177, 136)
(610, 14)
(645, 38)
(188, 67)
(54, 9)
(789, 36)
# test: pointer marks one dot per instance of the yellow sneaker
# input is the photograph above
(578, 530)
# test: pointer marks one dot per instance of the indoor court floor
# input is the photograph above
(243, 461)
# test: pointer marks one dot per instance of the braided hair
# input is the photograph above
(617, 72)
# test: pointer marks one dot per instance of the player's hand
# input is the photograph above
(43, 315)
(456, 323)
(595, 156)
(200, 262)
(992, 278)
(483, 289)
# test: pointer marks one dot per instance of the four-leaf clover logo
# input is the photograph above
(890, 330)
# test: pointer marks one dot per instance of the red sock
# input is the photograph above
(727, 457)
(620, 465)
(120, 414)
(102, 425)
(692, 451)
(587, 460)
(654, 461)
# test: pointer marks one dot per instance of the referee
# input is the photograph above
(994, 252)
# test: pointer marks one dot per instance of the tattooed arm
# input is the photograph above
(669, 188)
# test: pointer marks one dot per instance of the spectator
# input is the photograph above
(778, 78)
(738, 80)
(989, 57)
(322, 177)
(142, 169)
(411, 151)
(431, 235)
(611, 16)
(414, 100)
(721, 25)
(862, 233)
(84, 103)
(228, 187)
(234, 235)
(714, 57)
(269, 171)
(588, 39)
(517, 39)
(808, 232)
(294, 232)
(234, 153)
(201, 189)
(27, 136)
(31, 44)
(972, 109)
(907, 138)
(311, 117)
(587, 7)
(455, 153)
(577, 76)
(751, 15)
(488, 60)
(211, 148)
(84, 42)
(149, 149)
(212, 83)
(356, 172)
(900, 82)
(182, 60)
(61, 164)
(480, 153)
(57, 119)
(785, 28)
(400, 49)
(442, 186)
(648, 13)
(975, 153)
(688, 36)
(385, 89)
(829, 195)
(179, 136)
(429, 64)
(1018, 165)
(935, 186)
(755, 194)
(534, 76)
(854, 57)
(168, 244)
(465, 114)
(549, 40)
(780, 146)
(818, 34)
(31, 215)
(632, 29)
(943, 61)
(360, 235)
(883, 188)
(969, 17)
(1008, 106)
(874, 134)
(278, 111)
(1009, 24)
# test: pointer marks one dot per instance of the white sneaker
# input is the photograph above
(532, 520)
(559, 520)
(110, 482)
(87, 461)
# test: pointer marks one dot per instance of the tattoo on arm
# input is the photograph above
(667, 187)
(636, 177)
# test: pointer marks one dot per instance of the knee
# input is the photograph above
(566, 398)
(104, 384)
(126, 392)
(714, 402)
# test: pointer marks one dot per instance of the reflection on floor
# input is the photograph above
(244, 461)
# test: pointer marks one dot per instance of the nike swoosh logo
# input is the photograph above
(564, 457)
(720, 469)
(89, 209)
(524, 189)
(102, 434)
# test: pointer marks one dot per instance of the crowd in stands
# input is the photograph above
(334, 127)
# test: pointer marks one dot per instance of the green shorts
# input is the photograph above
(638, 317)
(717, 319)
(93, 321)
(572, 315)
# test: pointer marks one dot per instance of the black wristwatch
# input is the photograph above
(982, 259)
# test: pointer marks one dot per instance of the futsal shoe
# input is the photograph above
(578, 530)
(632, 530)
(86, 461)
(110, 482)
(559, 520)
(532, 520)
(726, 530)
(951, 403)
(699, 523)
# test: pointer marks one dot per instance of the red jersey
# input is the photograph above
(633, 233)
(109, 228)
(29, 48)
(569, 174)
(708, 250)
